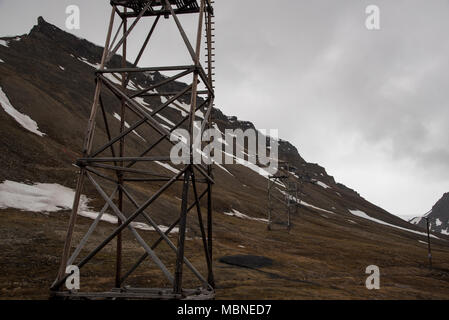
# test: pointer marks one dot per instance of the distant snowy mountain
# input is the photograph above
(438, 216)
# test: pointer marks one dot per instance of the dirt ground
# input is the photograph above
(318, 259)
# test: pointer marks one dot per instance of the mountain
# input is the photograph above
(46, 90)
(438, 216)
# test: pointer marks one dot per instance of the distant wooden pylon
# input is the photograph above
(428, 242)
(282, 204)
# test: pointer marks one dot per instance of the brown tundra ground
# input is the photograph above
(319, 259)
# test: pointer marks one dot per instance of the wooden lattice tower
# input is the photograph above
(282, 197)
(112, 165)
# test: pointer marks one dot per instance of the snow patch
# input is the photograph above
(4, 43)
(240, 215)
(150, 74)
(40, 197)
(183, 108)
(113, 79)
(223, 168)
(145, 105)
(117, 116)
(314, 207)
(323, 185)
(251, 166)
(62, 68)
(176, 135)
(416, 220)
(176, 107)
(165, 119)
(303, 203)
(183, 113)
(145, 227)
(93, 65)
(363, 215)
(214, 162)
(438, 222)
(134, 86)
(24, 120)
(47, 197)
(165, 126)
(142, 102)
(168, 167)
(1, 61)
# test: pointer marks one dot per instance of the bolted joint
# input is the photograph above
(80, 163)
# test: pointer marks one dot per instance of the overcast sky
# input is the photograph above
(369, 106)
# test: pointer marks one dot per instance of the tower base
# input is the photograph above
(129, 293)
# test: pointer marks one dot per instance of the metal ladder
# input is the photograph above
(210, 54)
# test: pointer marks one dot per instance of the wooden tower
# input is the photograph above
(282, 197)
(110, 165)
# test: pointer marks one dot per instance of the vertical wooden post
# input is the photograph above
(210, 277)
(86, 149)
(269, 204)
(182, 233)
(428, 243)
(118, 266)
(183, 221)
(209, 26)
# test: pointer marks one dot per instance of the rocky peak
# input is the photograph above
(438, 216)
(46, 28)
(442, 206)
